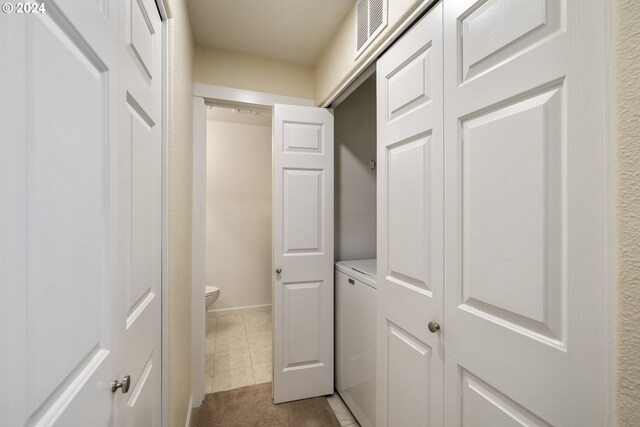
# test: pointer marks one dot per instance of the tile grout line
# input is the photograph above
(244, 320)
(236, 369)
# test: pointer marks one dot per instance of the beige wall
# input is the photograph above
(239, 213)
(626, 16)
(337, 62)
(180, 179)
(355, 181)
(252, 72)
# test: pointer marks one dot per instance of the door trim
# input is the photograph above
(164, 9)
(203, 94)
(241, 96)
(165, 14)
(198, 249)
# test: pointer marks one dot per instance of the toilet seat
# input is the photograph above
(210, 290)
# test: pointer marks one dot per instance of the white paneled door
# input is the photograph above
(59, 216)
(302, 252)
(79, 226)
(140, 139)
(525, 220)
(410, 232)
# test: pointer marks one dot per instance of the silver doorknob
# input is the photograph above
(124, 385)
(278, 270)
(434, 327)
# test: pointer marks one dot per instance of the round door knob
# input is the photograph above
(434, 327)
(124, 385)
(278, 270)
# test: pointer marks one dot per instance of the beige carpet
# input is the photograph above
(253, 406)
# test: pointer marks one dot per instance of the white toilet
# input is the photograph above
(211, 294)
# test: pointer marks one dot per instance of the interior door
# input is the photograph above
(526, 250)
(410, 231)
(58, 223)
(302, 252)
(139, 100)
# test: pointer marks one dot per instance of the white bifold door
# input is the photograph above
(58, 250)
(517, 179)
(525, 213)
(410, 251)
(140, 207)
(80, 221)
(302, 252)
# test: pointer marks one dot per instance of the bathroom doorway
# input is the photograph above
(231, 237)
(238, 331)
(227, 332)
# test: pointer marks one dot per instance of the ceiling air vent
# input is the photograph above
(371, 18)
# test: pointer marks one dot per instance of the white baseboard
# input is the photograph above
(239, 310)
(189, 410)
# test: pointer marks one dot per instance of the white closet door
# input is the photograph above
(58, 184)
(302, 252)
(526, 249)
(139, 103)
(410, 232)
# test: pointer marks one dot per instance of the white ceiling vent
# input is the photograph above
(371, 18)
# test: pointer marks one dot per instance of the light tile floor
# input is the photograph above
(239, 352)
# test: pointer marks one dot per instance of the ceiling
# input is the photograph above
(290, 30)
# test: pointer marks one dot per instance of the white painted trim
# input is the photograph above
(387, 42)
(164, 250)
(357, 82)
(241, 96)
(612, 244)
(187, 422)
(198, 249)
(164, 9)
(239, 310)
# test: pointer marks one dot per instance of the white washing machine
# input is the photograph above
(355, 337)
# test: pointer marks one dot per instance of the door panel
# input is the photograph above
(303, 195)
(483, 405)
(142, 37)
(303, 138)
(410, 86)
(57, 346)
(525, 258)
(301, 324)
(140, 208)
(303, 250)
(409, 380)
(408, 197)
(57, 248)
(514, 226)
(491, 32)
(409, 96)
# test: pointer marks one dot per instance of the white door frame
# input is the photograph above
(203, 93)
(165, 15)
